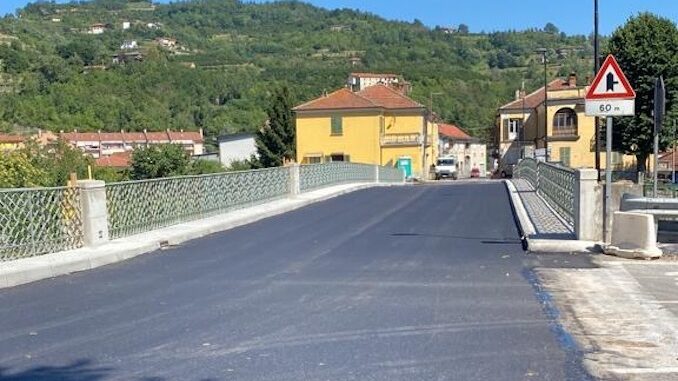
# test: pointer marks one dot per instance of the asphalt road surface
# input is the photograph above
(402, 283)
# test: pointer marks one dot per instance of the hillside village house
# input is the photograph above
(236, 147)
(97, 29)
(376, 125)
(470, 152)
(10, 142)
(360, 81)
(101, 144)
(570, 133)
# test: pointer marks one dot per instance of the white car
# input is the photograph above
(446, 167)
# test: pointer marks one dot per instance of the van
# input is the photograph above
(446, 167)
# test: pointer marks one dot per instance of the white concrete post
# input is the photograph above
(295, 180)
(376, 173)
(585, 225)
(94, 212)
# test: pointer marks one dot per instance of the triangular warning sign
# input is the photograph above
(610, 82)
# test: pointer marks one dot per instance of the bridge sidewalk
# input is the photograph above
(27, 270)
(542, 228)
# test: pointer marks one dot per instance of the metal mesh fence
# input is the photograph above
(139, 206)
(39, 221)
(319, 175)
(391, 175)
(554, 183)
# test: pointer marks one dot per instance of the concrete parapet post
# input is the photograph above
(295, 180)
(585, 210)
(376, 173)
(94, 212)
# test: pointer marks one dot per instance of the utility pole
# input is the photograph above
(543, 52)
(596, 67)
(429, 116)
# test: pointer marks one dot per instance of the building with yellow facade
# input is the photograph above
(522, 129)
(10, 142)
(376, 125)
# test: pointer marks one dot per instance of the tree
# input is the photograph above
(646, 47)
(276, 140)
(550, 28)
(463, 29)
(57, 161)
(17, 171)
(205, 167)
(157, 161)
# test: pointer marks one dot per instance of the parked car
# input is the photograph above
(446, 167)
(506, 170)
(475, 173)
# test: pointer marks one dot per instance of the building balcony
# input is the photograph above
(412, 139)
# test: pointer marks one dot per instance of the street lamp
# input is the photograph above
(543, 52)
(596, 67)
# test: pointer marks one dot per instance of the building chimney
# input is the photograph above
(518, 94)
(572, 80)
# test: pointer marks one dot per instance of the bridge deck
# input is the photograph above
(405, 283)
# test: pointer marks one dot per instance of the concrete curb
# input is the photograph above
(27, 270)
(543, 245)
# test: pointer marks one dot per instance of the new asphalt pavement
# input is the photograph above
(401, 283)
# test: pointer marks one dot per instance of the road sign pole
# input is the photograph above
(608, 178)
(655, 164)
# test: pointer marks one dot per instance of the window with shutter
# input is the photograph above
(505, 130)
(337, 128)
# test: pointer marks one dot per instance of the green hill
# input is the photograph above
(231, 54)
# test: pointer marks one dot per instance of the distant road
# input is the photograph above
(404, 283)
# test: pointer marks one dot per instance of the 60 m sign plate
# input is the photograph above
(611, 107)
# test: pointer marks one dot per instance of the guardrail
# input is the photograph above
(39, 221)
(45, 220)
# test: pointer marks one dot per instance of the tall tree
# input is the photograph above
(164, 160)
(646, 47)
(276, 140)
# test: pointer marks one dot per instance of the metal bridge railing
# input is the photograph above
(320, 175)
(38, 221)
(555, 184)
(47, 220)
(140, 206)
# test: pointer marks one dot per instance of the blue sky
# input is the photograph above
(572, 16)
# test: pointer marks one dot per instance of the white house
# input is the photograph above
(126, 25)
(236, 147)
(97, 29)
(128, 45)
(469, 151)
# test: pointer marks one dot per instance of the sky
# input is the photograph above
(571, 16)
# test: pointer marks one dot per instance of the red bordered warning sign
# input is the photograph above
(610, 83)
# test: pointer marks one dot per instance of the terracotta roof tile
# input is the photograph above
(536, 98)
(453, 132)
(116, 160)
(132, 137)
(388, 98)
(11, 138)
(340, 99)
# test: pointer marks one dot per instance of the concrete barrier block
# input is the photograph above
(634, 235)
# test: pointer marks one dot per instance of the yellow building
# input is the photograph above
(10, 142)
(377, 125)
(569, 132)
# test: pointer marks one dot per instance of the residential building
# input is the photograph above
(125, 57)
(128, 45)
(126, 25)
(101, 144)
(376, 125)
(522, 128)
(236, 147)
(97, 29)
(10, 142)
(470, 152)
(360, 81)
(666, 165)
(166, 42)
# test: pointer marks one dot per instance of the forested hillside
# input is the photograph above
(231, 54)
